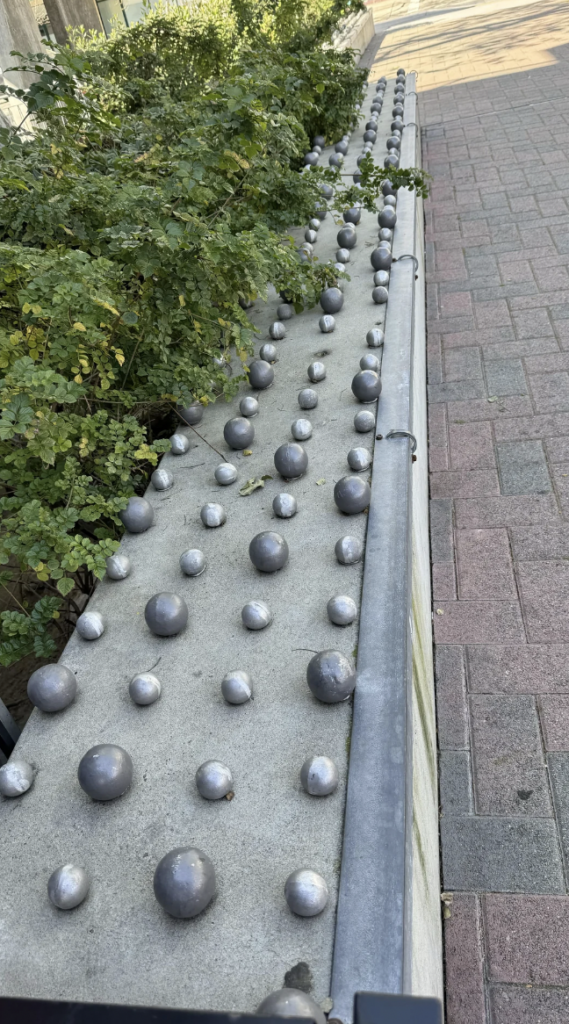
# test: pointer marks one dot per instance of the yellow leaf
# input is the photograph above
(78, 379)
(26, 307)
(78, 326)
(119, 357)
(141, 157)
(105, 385)
(320, 482)
(247, 451)
(181, 300)
(67, 231)
(36, 310)
(106, 305)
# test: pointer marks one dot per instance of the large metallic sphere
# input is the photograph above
(90, 625)
(359, 459)
(361, 159)
(256, 615)
(193, 414)
(301, 430)
(307, 398)
(336, 160)
(387, 188)
(347, 237)
(162, 479)
(381, 278)
(380, 295)
(319, 140)
(214, 780)
(377, 106)
(236, 687)
(370, 135)
(327, 191)
(316, 372)
(52, 687)
(138, 516)
(179, 444)
(105, 772)
(268, 352)
(366, 386)
(306, 893)
(331, 676)
(397, 126)
(284, 506)
(341, 147)
(375, 337)
(184, 882)
(225, 474)
(166, 614)
(118, 567)
(342, 256)
(331, 300)
(364, 421)
(239, 433)
(310, 236)
(352, 495)
(398, 110)
(353, 215)
(144, 688)
(372, 124)
(385, 235)
(261, 374)
(349, 550)
(16, 777)
(341, 610)
(277, 331)
(391, 160)
(326, 323)
(290, 1002)
(381, 259)
(192, 562)
(248, 406)
(311, 159)
(68, 886)
(268, 551)
(319, 776)
(286, 310)
(213, 515)
(387, 218)
(291, 460)
(401, 71)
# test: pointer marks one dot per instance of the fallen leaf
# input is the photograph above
(440, 611)
(252, 485)
(494, 398)
(320, 482)
(247, 451)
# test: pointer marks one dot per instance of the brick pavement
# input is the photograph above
(494, 102)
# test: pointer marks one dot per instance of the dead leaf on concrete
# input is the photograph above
(253, 484)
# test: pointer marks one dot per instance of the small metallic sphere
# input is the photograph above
(184, 882)
(376, 107)
(381, 278)
(213, 515)
(306, 893)
(214, 780)
(387, 188)
(390, 201)
(316, 372)
(385, 245)
(319, 776)
(192, 562)
(138, 516)
(387, 218)
(319, 140)
(179, 444)
(401, 71)
(370, 136)
(291, 460)
(193, 414)
(397, 125)
(268, 551)
(256, 615)
(307, 398)
(166, 614)
(347, 237)
(52, 688)
(336, 160)
(105, 772)
(353, 215)
(371, 126)
(375, 338)
(342, 256)
(286, 310)
(327, 191)
(326, 323)
(310, 236)
(366, 386)
(391, 160)
(349, 550)
(307, 247)
(245, 303)
(268, 352)
(364, 421)
(236, 687)
(359, 459)
(239, 433)
(342, 610)
(284, 506)
(90, 625)
(331, 676)
(68, 886)
(301, 430)
(248, 406)
(16, 777)
(118, 567)
(291, 1002)
(380, 295)
(320, 211)
(381, 259)
(385, 234)
(225, 474)
(361, 159)
(313, 223)
(261, 374)
(341, 147)
(162, 479)
(277, 331)
(398, 109)
(369, 362)
(144, 688)
(352, 495)
(311, 159)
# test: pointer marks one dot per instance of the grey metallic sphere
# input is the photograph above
(381, 278)
(105, 772)
(385, 235)
(401, 71)
(16, 777)
(118, 567)
(286, 310)
(261, 374)
(331, 676)
(239, 433)
(248, 406)
(214, 780)
(301, 430)
(361, 159)
(225, 474)
(341, 147)
(384, 244)
(310, 236)
(290, 1002)
(319, 776)
(184, 882)
(336, 160)
(284, 506)
(166, 614)
(162, 479)
(391, 160)
(138, 516)
(398, 109)
(192, 562)
(144, 688)
(327, 191)
(213, 515)
(364, 421)
(347, 237)
(245, 303)
(277, 331)
(311, 159)
(307, 398)
(342, 256)
(349, 550)
(268, 352)
(90, 625)
(236, 687)
(193, 414)
(326, 323)
(316, 372)
(331, 300)
(268, 551)
(291, 460)
(313, 223)
(320, 211)
(387, 218)
(256, 615)
(366, 386)
(359, 459)
(342, 610)
(319, 140)
(375, 338)
(397, 126)
(370, 136)
(306, 893)
(352, 495)
(179, 444)
(68, 886)
(380, 295)
(381, 259)
(372, 124)
(353, 215)
(52, 688)
(390, 200)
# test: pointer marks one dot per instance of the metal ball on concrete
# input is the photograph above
(319, 140)
(364, 421)
(284, 506)
(179, 444)
(380, 295)
(118, 567)
(307, 398)
(311, 159)
(316, 371)
(353, 215)
(105, 772)
(376, 107)
(359, 459)
(290, 1002)
(213, 515)
(236, 687)
(68, 886)
(336, 160)
(286, 311)
(375, 338)
(256, 615)
(307, 247)
(268, 352)
(352, 495)
(192, 562)
(319, 776)
(193, 414)
(370, 136)
(184, 882)
(381, 258)
(341, 147)
(361, 159)
(166, 614)
(16, 777)
(387, 188)
(214, 780)
(301, 429)
(342, 610)
(349, 550)
(331, 676)
(381, 278)
(138, 516)
(385, 245)
(397, 125)
(313, 223)
(320, 211)
(291, 460)
(144, 688)
(225, 474)
(331, 300)
(248, 406)
(340, 268)
(347, 237)
(306, 893)
(52, 688)
(277, 331)
(385, 235)
(327, 191)
(369, 362)
(326, 323)
(239, 433)
(310, 236)
(398, 109)
(268, 551)
(371, 125)
(387, 218)
(261, 374)
(162, 479)
(90, 625)
(245, 303)
(342, 255)
(366, 386)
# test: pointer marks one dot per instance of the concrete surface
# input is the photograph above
(63, 14)
(18, 31)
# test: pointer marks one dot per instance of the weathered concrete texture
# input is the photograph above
(64, 14)
(18, 31)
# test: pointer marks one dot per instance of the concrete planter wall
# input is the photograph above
(356, 32)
